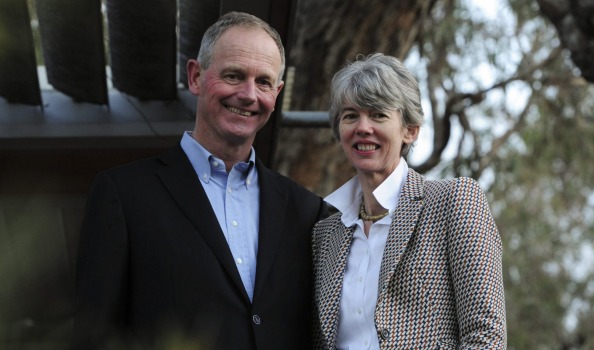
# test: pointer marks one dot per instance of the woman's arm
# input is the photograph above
(475, 254)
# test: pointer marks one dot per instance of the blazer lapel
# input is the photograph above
(331, 277)
(181, 181)
(401, 229)
(273, 204)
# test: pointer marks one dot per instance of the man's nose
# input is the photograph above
(247, 92)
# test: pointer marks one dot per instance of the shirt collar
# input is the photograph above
(388, 192)
(347, 198)
(204, 162)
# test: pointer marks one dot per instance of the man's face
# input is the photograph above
(237, 93)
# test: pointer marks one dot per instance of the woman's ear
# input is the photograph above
(411, 134)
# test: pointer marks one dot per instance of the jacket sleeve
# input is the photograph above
(316, 327)
(475, 259)
(101, 269)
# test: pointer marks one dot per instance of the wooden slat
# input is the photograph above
(18, 68)
(143, 47)
(194, 18)
(73, 50)
(260, 9)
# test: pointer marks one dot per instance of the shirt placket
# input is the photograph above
(360, 309)
(236, 226)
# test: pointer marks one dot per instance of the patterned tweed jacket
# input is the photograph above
(440, 284)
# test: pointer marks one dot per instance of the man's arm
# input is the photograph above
(102, 268)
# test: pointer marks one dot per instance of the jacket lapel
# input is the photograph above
(331, 277)
(181, 181)
(273, 204)
(401, 229)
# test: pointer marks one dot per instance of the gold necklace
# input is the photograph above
(366, 217)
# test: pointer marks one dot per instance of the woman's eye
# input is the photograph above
(349, 117)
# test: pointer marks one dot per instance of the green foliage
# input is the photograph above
(547, 213)
(527, 134)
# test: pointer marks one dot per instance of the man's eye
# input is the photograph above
(265, 84)
(232, 77)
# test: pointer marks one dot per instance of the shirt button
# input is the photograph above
(229, 190)
(239, 261)
(359, 311)
(366, 342)
(204, 176)
(256, 319)
(215, 164)
(234, 223)
(360, 279)
(248, 182)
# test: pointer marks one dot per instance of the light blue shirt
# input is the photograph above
(356, 318)
(234, 197)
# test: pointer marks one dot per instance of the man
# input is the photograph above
(203, 244)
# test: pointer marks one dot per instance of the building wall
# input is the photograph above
(42, 201)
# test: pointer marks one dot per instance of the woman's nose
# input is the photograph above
(364, 125)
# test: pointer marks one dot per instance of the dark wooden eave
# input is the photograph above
(127, 91)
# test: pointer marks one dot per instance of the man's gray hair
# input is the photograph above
(376, 83)
(236, 19)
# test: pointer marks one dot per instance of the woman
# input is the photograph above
(406, 263)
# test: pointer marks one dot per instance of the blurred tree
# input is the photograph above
(504, 104)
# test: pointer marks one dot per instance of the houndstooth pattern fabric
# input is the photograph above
(440, 285)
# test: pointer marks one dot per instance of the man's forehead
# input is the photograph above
(235, 51)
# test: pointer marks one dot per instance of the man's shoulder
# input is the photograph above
(284, 181)
(146, 165)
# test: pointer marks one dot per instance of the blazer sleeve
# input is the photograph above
(475, 259)
(101, 269)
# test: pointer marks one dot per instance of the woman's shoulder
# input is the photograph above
(450, 184)
(453, 190)
(329, 223)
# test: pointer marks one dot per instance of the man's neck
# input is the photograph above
(230, 154)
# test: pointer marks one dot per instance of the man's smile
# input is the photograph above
(239, 111)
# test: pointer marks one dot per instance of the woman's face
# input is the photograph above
(372, 140)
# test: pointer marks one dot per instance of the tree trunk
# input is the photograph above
(574, 21)
(328, 34)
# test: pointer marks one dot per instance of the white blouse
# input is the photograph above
(356, 323)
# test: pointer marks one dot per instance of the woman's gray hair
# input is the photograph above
(236, 19)
(376, 83)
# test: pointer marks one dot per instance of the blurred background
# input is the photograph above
(508, 95)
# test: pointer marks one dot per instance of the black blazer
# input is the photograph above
(153, 263)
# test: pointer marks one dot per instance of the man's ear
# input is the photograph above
(280, 87)
(193, 70)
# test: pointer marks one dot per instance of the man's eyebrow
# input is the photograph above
(234, 69)
(268, 73)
